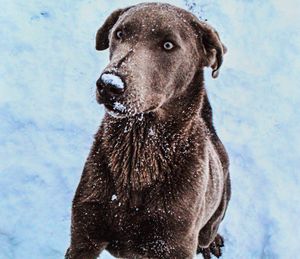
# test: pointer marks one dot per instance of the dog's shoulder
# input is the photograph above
(207, 115)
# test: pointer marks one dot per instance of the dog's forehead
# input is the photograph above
(156, 16)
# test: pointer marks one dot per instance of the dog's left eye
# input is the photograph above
(168, 45)
(119, 34)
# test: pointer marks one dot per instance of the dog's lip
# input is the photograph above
(111, 106)
(108, 106)
(110, 103)
(103, 99)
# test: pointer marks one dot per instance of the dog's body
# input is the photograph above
(156, 182)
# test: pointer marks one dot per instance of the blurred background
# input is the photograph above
(48, 115)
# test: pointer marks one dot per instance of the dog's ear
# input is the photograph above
(102, 40)
(211, 45)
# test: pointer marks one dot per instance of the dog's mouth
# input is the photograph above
(112, 105)
(116, 107)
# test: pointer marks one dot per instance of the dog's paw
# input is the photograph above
(205, 252)
(216, 245)
(214, 248)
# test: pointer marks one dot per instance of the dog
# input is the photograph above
(156, 182)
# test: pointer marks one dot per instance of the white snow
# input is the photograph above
(113, 80)
(151, 132)
(48, 116)
(119, 107)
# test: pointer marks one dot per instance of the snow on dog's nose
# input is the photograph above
(110, 85)
(113, 80)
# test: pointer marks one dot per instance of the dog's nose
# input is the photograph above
(110, 84)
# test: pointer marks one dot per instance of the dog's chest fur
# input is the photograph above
(141, 155)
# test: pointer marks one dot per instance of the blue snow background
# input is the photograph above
(48, 115)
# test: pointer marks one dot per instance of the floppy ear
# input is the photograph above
(102, 41)
(211, 46)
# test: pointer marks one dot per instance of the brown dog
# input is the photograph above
(156, 182)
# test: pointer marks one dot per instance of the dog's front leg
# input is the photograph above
(88, 227)
(87, 240)
(87, 231)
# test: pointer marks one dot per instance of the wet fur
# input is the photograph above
(155, 184)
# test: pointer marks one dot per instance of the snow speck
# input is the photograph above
(140, 116)
(113, 197)
(119, 107)
(113, 80)
(151, 132)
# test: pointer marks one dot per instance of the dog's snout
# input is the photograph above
(110, 84)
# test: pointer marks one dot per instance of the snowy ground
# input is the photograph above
(48, 114)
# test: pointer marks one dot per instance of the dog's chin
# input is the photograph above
(129, 113)
(120, 110)
(116, 114)
(113, 108)
(116, 110)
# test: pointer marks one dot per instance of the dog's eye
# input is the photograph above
(119, 34)
(168, 45)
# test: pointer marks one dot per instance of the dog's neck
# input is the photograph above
(141, 149)
(180, 110)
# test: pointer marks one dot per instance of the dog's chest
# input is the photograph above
(138, 156)
(142, 159)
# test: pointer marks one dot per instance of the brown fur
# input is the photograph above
(156, 182)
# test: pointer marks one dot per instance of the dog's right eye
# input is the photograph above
(168, 45)
(119, 34)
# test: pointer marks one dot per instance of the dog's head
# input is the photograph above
(155, 51)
